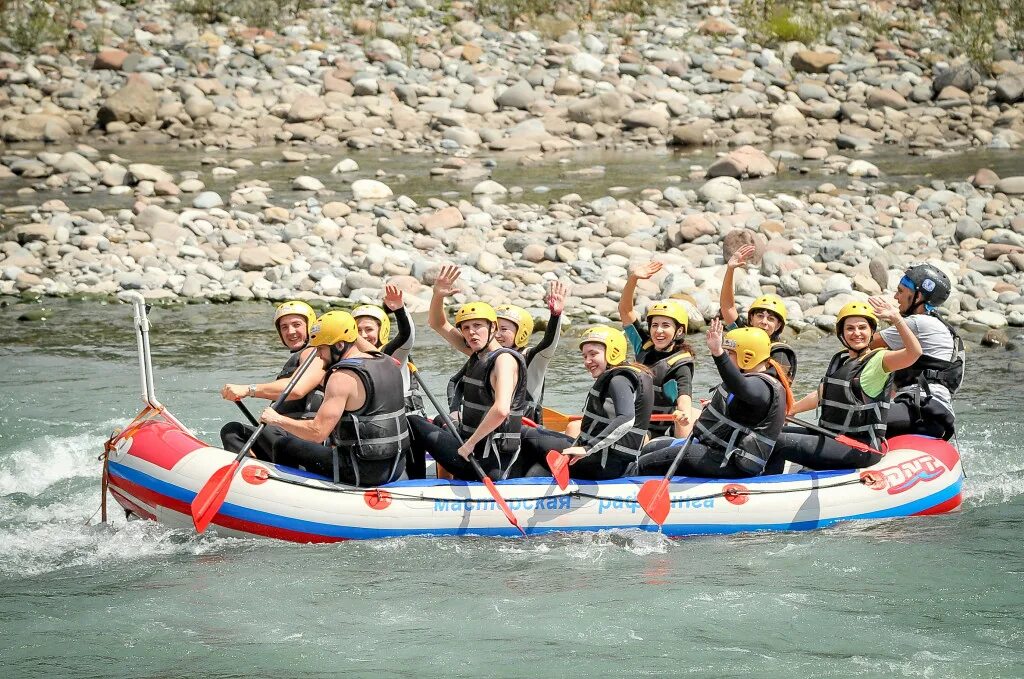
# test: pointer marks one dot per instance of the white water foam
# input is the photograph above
(50, 460)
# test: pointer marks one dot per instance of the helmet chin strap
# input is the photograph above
(338, 354)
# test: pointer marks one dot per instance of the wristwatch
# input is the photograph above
(252, 390)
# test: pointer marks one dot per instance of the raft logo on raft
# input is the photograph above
(490, 505)
(906, 475)
(628, 502)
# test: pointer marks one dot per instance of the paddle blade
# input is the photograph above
(653, 499)
(661, 417)
(501, 503)
(529, 423)
(211, 496)
(854, 443)
(559, 466)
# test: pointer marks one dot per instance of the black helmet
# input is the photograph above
(928, 284)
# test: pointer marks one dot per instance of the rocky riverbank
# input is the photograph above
(418, 79)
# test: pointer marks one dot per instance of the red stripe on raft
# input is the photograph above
(131, 506)
(163, 444)
(937, 448)
(162, 500)
(949, 505)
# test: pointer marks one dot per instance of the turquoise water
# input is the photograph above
(936, 596)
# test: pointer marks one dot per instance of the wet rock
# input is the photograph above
(489, 187)
(370, 189)
(307, 183)
(745, 161)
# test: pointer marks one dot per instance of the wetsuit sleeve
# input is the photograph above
(746, 388)
(623, 397)
(537, 358)
(684, 381)
(637, 336)
(404, 339)
(873, 377)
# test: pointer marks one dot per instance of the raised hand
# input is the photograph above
(393, 297)
(646, 270)
(885, 309)
(557, 293)
(714, 337)
(446, 283)
(740, 257)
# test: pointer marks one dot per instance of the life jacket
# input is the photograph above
(665, 368)
(599, 410)
(788, 356)
(304, 408)
(478, 397)
(378, 430)
(845, 408)
(928, 370)
(719, 427)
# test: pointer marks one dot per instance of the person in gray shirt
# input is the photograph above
(924, 392)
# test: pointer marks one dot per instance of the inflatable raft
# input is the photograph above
(155, 467)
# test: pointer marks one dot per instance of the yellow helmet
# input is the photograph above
(670, 308)
(379, 315)
(858, 309)
(475, 311)
(772, 303)
(295, 308)
(333, 327)
(752, 345)
(613, 339)
(521, 317)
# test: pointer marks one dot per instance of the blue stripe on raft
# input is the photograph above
(257, 517)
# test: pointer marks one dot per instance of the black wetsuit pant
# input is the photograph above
(931, 419)
(233, 436)
(699, 460)
(319, 459)
(815, 451)
(444, 446)
(537, 443)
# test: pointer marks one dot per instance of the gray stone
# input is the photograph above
(520, 95)
(721, 189)
(962, 77)
(207, 200)
(1010, 88)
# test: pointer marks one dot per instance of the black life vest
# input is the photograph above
(845, 408)
(378, 430)
(665, 366)
(725, 426)
(784, 355)
(599, 410)
(933, 370)
(478, 397)
(300, 408)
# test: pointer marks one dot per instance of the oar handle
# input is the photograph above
(248, 414)
(277, 404)
(679, 457)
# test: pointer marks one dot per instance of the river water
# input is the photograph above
(935, 596)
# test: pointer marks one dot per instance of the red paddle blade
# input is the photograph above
(529, 423)
(559, 466)
(661, 417)
(211, 496)
(854, 443)
(501, 503)
(653, 498)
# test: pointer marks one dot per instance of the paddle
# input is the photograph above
(491, 488)
(840, 438)
(211, 496)
(248, 415)
(653, 496)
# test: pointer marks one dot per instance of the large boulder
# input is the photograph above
(1010, 88)
(787, 115)
(809, 61)
(370, 189)
(885, 98)
(520, 95)
(645, 117)
(962, 77)
(136, 102)
(721, 189)
(36, 127)
(607, 107)
(306, 108)
(746, 161)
